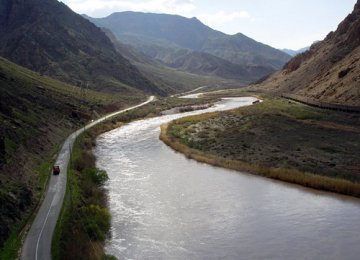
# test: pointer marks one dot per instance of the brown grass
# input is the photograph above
(288, 175)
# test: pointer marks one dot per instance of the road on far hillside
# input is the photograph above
(37, 244)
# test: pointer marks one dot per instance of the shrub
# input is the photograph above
(86, 160)
(96, 222)
(97, 176)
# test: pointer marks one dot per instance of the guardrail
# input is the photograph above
(324, 105)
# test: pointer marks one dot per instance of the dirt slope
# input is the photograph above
(329, 71)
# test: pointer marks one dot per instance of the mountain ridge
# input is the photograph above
(161, 35)
(171, 79)
(46, 36)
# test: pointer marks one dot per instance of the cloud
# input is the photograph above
(100, 8)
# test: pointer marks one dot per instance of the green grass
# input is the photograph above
(295, 110)
(12, 244)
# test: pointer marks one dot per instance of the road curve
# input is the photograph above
(37, 245)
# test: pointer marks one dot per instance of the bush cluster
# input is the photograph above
(86, 219)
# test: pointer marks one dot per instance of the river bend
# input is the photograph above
(165, 206)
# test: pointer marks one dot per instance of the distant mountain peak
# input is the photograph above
(173, 31)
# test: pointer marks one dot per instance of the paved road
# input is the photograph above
(38, 240)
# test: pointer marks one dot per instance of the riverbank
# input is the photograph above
(84, 221)
(85, 218)
(276, 139)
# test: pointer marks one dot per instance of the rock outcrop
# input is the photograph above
(329, 71)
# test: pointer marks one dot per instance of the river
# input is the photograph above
(165, 206)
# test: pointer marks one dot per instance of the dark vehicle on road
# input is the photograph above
(56, 169)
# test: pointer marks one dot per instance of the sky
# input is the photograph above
(291, 24)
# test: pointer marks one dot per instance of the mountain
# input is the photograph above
(36, 114)
(128, 51)
(207, 64)
(200, 63)
(329, 71)
(159, 36)
(47, 37)
(170, 79)
(295, 52)
(178, 78)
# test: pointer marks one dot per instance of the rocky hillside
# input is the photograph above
(329, 71)
(159, 36)
(36, 114)
(47, 37)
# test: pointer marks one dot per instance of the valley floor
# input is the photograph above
(279, 139)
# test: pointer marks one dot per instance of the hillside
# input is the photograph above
(179, 74)
(206, 64)
(200, 63)
(329, 71)
(36, 114)
(159, 36)
(47, 37)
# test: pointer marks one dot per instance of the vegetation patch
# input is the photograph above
(278, 139)
(85, 219)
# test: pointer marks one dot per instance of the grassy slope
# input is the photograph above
(36, 114)
(281, 140)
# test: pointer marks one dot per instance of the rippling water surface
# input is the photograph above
(165, 206)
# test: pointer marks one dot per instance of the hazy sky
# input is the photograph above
(289, 24)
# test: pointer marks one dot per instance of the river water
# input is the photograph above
(165, 206)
